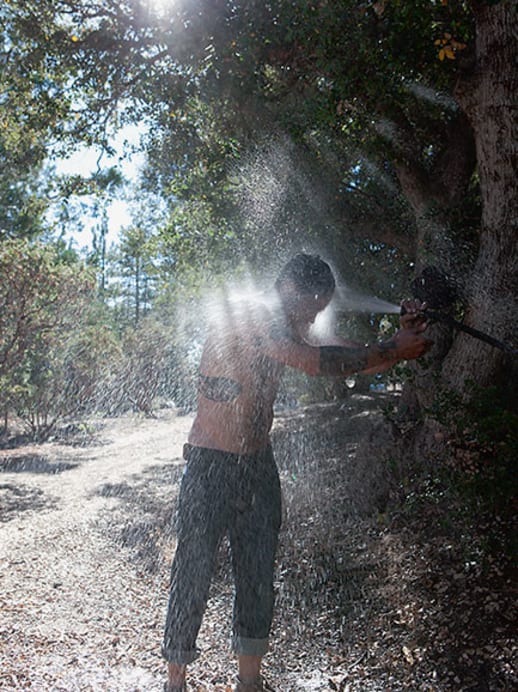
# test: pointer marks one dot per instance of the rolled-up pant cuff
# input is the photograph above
(244, 646)
(182, 658)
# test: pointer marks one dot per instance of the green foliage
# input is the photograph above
(130, 285)
(214, 79)
(44, 299)
(22, 202)
(65, 379)
(39, 295)
(89, 363)
(356, 86)
(146, 368)
(32, 106)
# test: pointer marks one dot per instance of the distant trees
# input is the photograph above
(62, 355)
(149, 354)
(136, 272)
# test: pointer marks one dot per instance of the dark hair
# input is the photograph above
(309, 273)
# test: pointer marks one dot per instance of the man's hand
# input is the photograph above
(410, 343)
(412, 315)
(406, 344)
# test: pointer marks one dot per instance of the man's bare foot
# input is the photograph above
(176, 678)
(256, 685)
(174, 688)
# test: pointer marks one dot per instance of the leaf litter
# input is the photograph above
(386, 602)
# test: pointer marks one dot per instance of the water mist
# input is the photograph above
(347, 300)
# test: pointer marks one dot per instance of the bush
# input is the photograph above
(44, 305)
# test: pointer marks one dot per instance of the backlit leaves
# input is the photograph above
(448, 46)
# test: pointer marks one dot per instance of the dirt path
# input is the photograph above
(65, 593)
(85, 549)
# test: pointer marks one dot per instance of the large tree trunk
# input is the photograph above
(434, 195)
(488, 96)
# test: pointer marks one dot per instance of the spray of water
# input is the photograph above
(348, 300)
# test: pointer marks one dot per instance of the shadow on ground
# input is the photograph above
(34, 463)
(143, 521)
(20, 498)
(69, 434)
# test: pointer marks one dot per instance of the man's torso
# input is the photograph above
(237, 384)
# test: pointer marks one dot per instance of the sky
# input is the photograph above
(85, 161)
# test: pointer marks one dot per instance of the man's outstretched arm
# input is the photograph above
(345, 358)
(406, 344)
(412, 318)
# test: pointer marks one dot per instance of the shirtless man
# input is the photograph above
(230, 484)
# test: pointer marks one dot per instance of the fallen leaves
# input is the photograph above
(362, 605)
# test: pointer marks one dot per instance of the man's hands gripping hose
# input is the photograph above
(413, 315)
(417, 315)
(408, 343)
(409, 340)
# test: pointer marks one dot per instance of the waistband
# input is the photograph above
(189, 449)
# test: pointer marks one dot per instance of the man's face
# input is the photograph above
(303, 307)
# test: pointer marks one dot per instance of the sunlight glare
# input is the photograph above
(160, 6)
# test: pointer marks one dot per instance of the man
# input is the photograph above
(230, 484)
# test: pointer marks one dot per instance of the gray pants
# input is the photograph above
(237, 495)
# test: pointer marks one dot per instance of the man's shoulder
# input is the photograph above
(249, 312)
(241, 321)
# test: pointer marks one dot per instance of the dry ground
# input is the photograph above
(387, 603)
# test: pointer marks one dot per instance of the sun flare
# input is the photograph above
(160, 5)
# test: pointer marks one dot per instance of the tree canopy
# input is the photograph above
(377, 133)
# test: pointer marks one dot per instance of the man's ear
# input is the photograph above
(288, 290)
(289, 295)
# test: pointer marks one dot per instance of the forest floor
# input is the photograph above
(397, 601)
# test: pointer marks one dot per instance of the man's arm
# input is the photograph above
(339, 356)
(406, 344)
(412, 318)
(336, 340)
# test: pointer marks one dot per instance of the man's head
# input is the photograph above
(306, 285)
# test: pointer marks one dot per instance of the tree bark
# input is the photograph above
(433, 196)
(488, 96)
